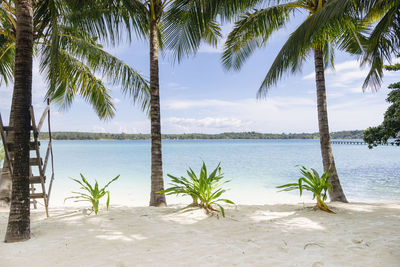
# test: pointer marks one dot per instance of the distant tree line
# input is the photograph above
(357, 134)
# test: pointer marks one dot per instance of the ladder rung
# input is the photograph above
(32, 146)
(9, 128)
(37, 195)
(4, 170)
(35, 161)
(36, 179)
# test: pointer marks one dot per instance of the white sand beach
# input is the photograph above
(263, 235)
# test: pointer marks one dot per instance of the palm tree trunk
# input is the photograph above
(336, 193)
(18, 228)
(157, 181)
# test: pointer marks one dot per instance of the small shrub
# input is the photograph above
(91, 193)
(311, 181)
(205, 190)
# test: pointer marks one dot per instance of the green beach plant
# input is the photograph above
(93, 194)
(205, 190)
(311, 181)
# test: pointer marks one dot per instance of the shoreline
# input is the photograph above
(198, 139)
(359, 234)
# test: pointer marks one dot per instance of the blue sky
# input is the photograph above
(198, 95)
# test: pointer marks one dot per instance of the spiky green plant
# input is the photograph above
(205, 190)
(93, 194)
(184, 186)
(311, 181)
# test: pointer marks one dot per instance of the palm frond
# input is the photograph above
(107, 19)
(7, 55)
(74, 77)
(187, 23)
(110, 67)
(253, 31)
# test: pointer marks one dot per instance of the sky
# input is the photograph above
(199, 96)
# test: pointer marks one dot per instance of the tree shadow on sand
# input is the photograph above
(282, 234)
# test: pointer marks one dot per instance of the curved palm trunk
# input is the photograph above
(336, 193)
(157, 181)
(18, 228)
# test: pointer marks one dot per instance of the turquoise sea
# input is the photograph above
(255, 168)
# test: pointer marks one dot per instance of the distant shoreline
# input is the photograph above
(356, 134)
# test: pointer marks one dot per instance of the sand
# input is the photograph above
(264, 235)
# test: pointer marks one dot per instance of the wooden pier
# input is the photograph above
(342, 142)
(335, 142)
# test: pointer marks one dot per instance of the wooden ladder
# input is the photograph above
(35, 160)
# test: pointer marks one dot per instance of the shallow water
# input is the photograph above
(255, 167)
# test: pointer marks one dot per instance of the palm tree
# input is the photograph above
(254, 28)
(18, 228)
(180, 25)
(183, 24)
(379, 39)
(69, 58)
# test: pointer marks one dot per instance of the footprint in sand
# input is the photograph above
(284, 246)
(360, 243)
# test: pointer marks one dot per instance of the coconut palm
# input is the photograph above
(70, 58)
(253, 30)
(178, 25)
(376, 43)
(18, 228)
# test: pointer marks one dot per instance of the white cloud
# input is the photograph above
(342, 73)
(176, 86)
(116, 100)
(346, 65)
(274, 114)
(205, 48)
(128, 127)
(272, 103)
(347, 72)
(187, 104)
(208, 122)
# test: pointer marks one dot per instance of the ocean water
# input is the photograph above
(255, 168)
